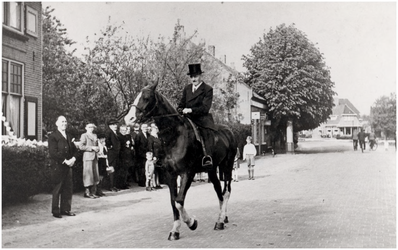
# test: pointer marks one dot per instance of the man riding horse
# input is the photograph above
(196, 101)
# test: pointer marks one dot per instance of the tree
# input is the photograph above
(59, 70)
(383, 115)
(287, 70)
(129, 64)
(68, 83)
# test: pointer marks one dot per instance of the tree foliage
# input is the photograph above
(383, 115)
(69, 87)
(287, 70)
(128, 64)
(115, 69)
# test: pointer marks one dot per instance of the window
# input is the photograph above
(12, 91)
(4, 79)
(32, 18)
(12, 15)
(31, 129)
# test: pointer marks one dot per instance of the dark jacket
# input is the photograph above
(155, 145)
(200, 102)
(361, 136)
(113, 144)
(126, 152)
(60, 149)
(141, 145)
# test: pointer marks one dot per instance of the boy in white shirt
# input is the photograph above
(249, 151)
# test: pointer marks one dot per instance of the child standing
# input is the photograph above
(236, 166)
(149, 169)
(249, 151)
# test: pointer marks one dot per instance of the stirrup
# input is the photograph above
(207, 161)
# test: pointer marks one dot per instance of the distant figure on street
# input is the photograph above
(361, 138)
(355, 139)
(249, 152)
(372, 139)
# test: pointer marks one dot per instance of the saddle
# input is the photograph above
(207, 161)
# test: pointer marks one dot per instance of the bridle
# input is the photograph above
(148, 114)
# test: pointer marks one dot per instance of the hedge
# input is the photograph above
(26, 172)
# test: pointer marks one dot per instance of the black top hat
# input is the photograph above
(194, 69)
(112, 121)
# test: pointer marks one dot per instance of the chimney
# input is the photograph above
(212, 50)
(225, 59)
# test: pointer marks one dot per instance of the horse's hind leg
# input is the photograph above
(222, 217)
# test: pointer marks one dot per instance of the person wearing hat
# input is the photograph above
(196, 101)
(113, 144)
(89, 145)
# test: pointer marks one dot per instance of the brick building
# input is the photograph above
(22, 68)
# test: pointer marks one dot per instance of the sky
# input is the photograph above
(357, 39)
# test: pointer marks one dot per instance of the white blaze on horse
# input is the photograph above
(183, 155)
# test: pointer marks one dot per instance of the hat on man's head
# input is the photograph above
(112, 121)
(194, 69)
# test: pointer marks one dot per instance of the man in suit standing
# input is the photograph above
(113, 144)
(134, 138)
(196, 101)
(63, 156)
(141, 147)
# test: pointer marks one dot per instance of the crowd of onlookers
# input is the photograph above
(113, 160)
(121, 157)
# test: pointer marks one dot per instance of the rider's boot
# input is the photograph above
(207, 143)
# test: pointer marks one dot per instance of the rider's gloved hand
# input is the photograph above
(179, 110)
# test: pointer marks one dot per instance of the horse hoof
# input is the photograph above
(219, 226)
(226, 219)
(194, 225)
(174, 236)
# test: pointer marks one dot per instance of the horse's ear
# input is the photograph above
(154, 85)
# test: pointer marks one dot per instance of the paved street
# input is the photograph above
(324, 196)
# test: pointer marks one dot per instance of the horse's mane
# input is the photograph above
(165, 101)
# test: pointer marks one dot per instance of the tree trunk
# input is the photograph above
(289, 137)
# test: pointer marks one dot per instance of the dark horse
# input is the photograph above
(183, 155)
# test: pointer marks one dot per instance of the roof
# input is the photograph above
(344, 108)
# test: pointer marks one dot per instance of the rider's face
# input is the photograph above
(195, 79)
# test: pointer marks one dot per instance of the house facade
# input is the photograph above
(345, 120)
(250, 107)
(22, 69)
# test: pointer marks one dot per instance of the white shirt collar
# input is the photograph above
(194, 88)
(63, 132)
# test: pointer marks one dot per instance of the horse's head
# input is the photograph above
(143, 106)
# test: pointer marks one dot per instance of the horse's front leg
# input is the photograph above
(186, 181)
(175, 231)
